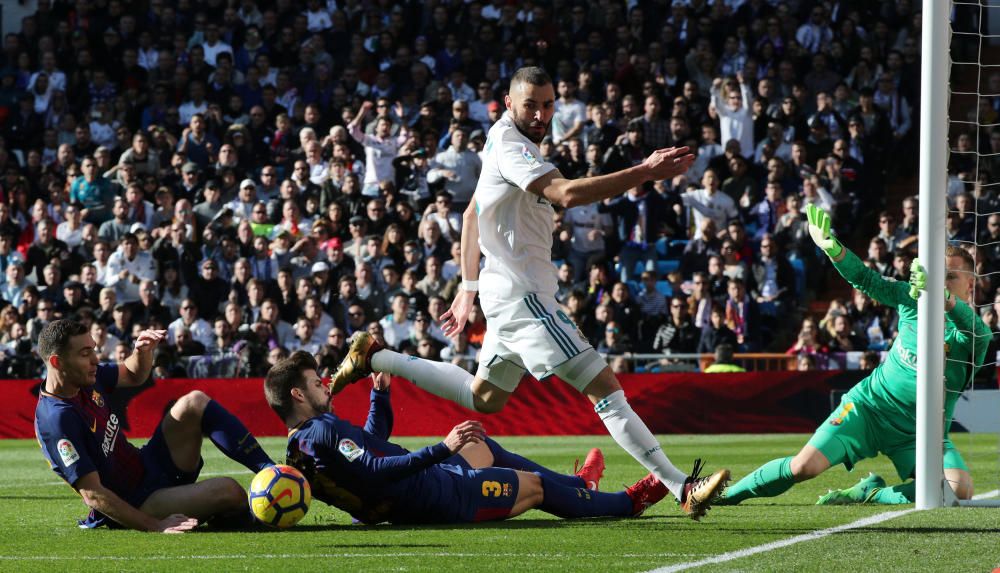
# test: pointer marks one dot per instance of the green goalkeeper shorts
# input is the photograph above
(854, 431)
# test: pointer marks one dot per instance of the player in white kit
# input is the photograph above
(511, 219)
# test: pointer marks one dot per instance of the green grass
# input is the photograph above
(37, 528)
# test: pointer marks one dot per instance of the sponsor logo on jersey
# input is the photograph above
(908, 358)
(844, 411)
(67, 452)
(93, 425)
(349, 449)
(110, 433)
(97, 398)
(528, 156)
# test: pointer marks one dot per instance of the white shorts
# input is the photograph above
(534, 334)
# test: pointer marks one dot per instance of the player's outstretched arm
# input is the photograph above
(453, 320)
(850, 266)
(137, 367)
(395, 468)
(98, 497)
(661, 164)
(380, 417)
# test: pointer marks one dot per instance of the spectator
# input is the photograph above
(93, 191)
(678, 334)
(733, 109)
(716, 332)
(198, 328)
(708, 202)
(772, 281)
(457, 168)
(724, 362)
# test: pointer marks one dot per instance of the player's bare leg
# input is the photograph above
(695, 493)
(960, 481)
(196, 414)
(201, 500)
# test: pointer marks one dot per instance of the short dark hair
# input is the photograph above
(284, 376)
(54, 338)
(533, 75)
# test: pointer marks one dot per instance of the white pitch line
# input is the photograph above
(384, 555)
(783, 543)
(818, 534)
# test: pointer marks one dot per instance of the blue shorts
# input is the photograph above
(462, 495)
(160, 470)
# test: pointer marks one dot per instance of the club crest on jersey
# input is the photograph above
(67, 452)
(349, 449)
(97, 398)
(844, 411)
(528, 156)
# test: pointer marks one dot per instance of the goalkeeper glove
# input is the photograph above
(918, 281)
(819, 230)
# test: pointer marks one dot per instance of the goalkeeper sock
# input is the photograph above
(442, 379)
(565, 501)
(895, 495)
(771, 479)
(232, 438)
(504, 459)
(634, 437)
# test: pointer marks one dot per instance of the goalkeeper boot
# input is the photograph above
(701, 492)
(358, 362)
(645, 493)
(592, 470)
(858, 493)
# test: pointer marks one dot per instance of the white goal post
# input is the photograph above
(932, 490)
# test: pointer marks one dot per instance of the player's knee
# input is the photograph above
(193, 402)
(490, 404)
(531, 488)
(807, 467)
(231, 493)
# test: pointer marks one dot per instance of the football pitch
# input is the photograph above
(787, 533)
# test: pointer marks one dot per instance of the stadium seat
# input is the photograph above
(664, 267)
(677, 247)
(665, 288)
(633, 288)
(663, 247)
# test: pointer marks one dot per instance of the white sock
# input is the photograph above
(442, 379)
(634, 437)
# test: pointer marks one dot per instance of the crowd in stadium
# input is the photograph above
(263, 177)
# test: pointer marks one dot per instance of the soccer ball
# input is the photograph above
(279, 496)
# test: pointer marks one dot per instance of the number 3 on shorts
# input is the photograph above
(492, 488)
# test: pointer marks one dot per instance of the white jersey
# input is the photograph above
(515, 226)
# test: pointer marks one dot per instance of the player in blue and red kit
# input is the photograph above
(149, 489)
(465, 478)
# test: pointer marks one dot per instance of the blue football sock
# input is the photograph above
(504, 459)
(232, 438)
(563, 501)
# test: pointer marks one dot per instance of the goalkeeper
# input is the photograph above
(879, 413)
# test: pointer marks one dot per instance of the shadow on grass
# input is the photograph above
(643, 522)
(23, 497)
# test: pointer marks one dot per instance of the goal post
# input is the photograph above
(934, 82)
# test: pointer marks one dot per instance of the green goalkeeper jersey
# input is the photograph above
(892, 386)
